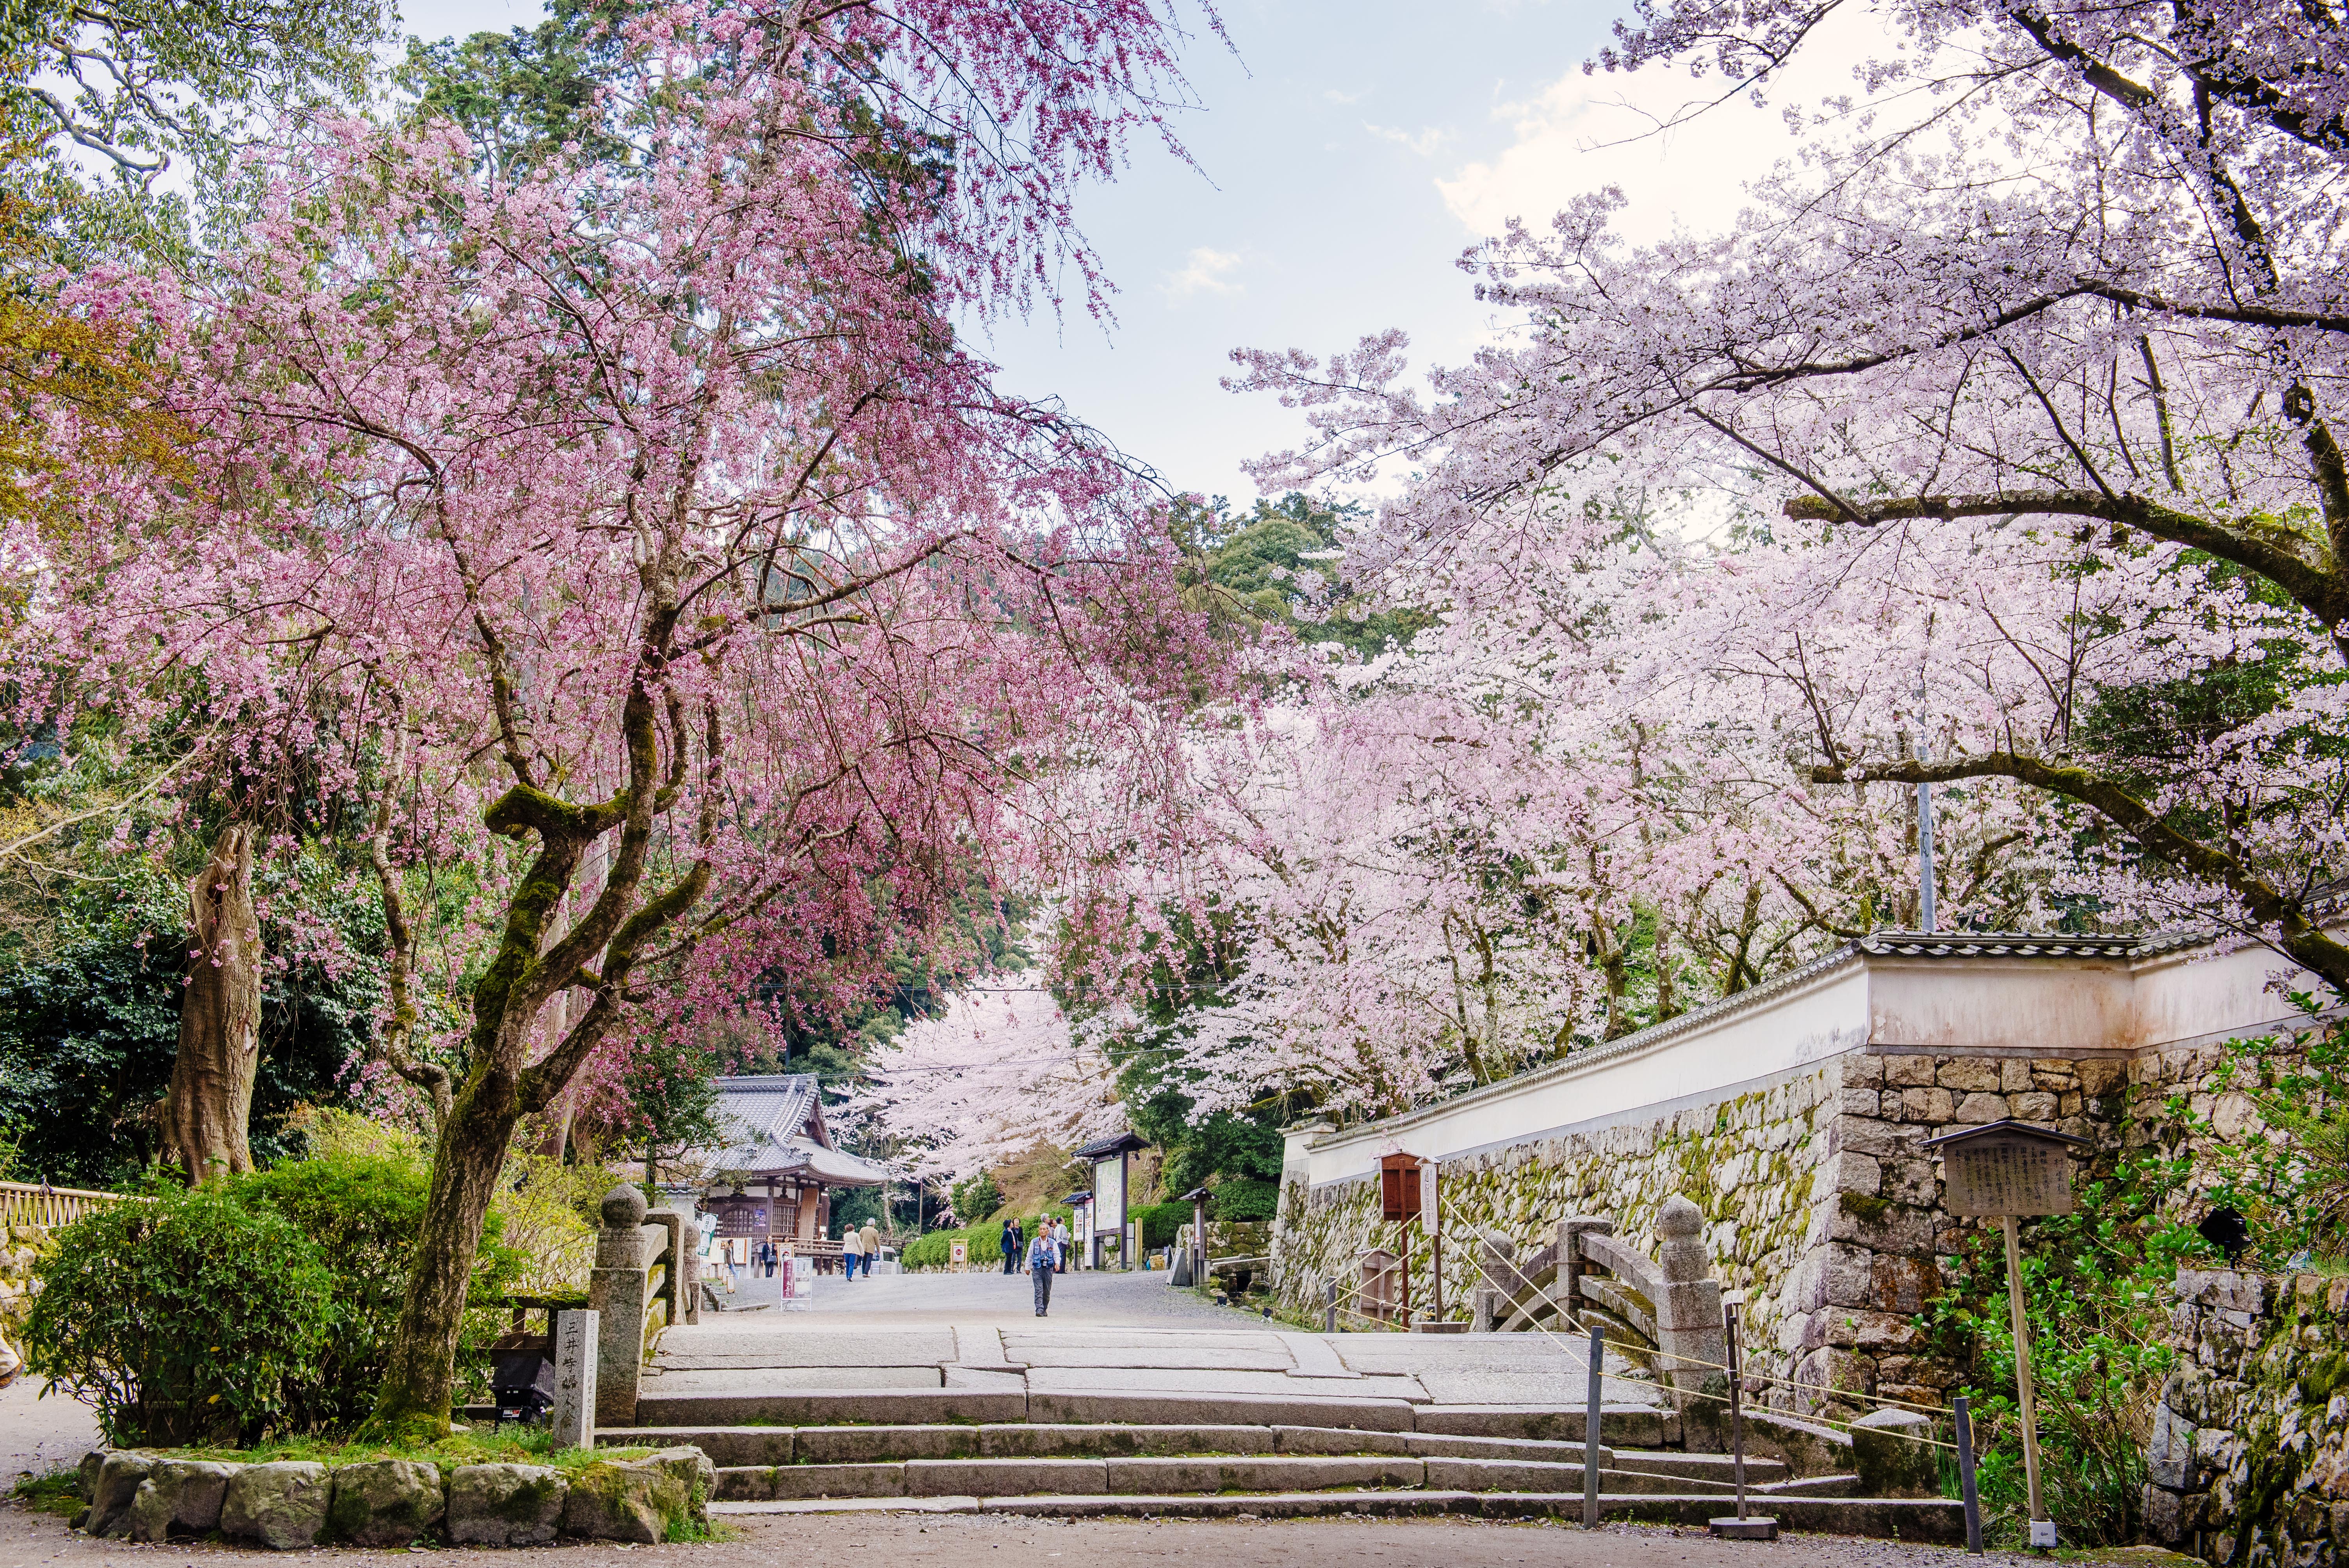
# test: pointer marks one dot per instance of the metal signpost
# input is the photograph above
(2014, 1170)
(1739, 1526)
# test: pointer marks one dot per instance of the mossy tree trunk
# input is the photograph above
(210, 1101)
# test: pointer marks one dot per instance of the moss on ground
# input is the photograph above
(503, 1447)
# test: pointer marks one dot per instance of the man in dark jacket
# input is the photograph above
(1014, 1244)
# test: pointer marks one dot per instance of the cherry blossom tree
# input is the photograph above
(994, 1073)
(2026, 380)
(631, 539)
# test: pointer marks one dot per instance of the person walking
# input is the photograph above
(871, 1236)
(1013, 1245)
(851, 1249)
(1043, 1259)
(1061, 1243)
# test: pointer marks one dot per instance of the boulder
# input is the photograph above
(116, 1488)
(639, 1500)
(1890, 1460)
(180, 1496)
(385, 1502)
(505, 1504)
(693, 1471)
(91, 1463)
(282, 1505)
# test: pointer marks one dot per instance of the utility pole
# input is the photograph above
(1925, 919)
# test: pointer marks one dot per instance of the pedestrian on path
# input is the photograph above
(1062, 1242)
(1043, 1259)
(1013, 1245)
(870, 1235)
(851, 1248)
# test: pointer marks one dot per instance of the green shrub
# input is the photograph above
(1159, 1221)
(932, 1251)
(363, 1211)
(181, 1317)
(1245, 1201)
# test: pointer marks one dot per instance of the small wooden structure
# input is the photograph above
(777, 1171)
(1112, 1160)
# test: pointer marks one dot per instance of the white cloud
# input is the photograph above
(1334, 96)
(1642, 131)
(1422, 142)
(1206, 272)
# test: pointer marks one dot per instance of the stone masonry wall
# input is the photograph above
(1819, 1202)
(2248, 1461)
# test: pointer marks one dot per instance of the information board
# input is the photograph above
(1109, 1195)
(2014, 1176)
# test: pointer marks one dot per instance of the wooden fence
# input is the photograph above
(31, 1203)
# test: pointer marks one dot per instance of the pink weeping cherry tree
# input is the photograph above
(634, 536)
(2009, 415)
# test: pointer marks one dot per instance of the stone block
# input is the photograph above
(1847, 1276)
(2037, 1104)
(87, 1472)
(1904, 1284)
(2054, 1074)
(115, 1487)
(1322, 1441)
(1880, 1139)
(1892, 1457)
(1871, 1331)
(1929, 1105)
(2171, 1517)
(1912, 1182)
(801, 1483)
(2013, 1075)
(180, 1497)
(282, 1504)
(505, 1504)
(1969, 1075)
(1859, 1069)
(1980, 1108)
(1907, 1072)
(2170, 1452)
(1881, 1226)
(2100, 1077)
(1860, 1099)
(1005, 1477)
(385, 1502)
(639, 1502)
(1852, 1171)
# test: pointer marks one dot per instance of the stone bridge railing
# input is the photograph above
(643, 1281)
(1663, 1312)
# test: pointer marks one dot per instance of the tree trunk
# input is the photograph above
(421, 1382)
(210, 1097)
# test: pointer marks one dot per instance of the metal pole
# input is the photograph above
(1965, 1433)
(1403, 1228)
(1736, 1409)
(2023, 1374)
(1590, 1434)
(1925, 921)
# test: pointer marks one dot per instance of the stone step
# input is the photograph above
(736, 1447)
(1170, 1474)
(1906, 1519)
(1635, 1426)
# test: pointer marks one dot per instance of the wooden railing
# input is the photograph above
(27, 1203)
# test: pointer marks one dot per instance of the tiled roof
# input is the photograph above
(2022, 944)
(773, 1125)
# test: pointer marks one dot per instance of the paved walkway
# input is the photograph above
(1109, 1332)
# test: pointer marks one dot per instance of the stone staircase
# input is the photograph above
(843, 1453)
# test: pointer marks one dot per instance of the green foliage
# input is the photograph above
(57, 1492)
(1278, 566)
(89, 1020)
(986, 1243)
(521, 95)
(976, 1198)
(2287, 1173)
(177, 1316)
(2096, 1296)
(1243, 1201)
(1159, 1221)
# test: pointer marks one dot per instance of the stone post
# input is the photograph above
(1688, 1325)
(574, 1418)
(1483, 1302)
(615, 1289)
(1570, 1229)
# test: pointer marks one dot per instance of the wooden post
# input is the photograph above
(2022, 1378)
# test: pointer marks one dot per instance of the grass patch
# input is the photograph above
(503, 1446)
(58, 1492)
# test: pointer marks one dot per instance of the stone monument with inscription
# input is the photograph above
(2013, 1169)
(573, 1416)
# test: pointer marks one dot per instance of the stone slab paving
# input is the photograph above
(1109, 1334)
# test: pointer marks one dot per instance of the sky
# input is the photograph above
(1343, 156)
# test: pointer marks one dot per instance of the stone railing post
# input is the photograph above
(1570, 1232)
(676, 1285)
(616, 1290)
(1687, 1326)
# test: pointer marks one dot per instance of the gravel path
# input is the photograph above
(957, 1541)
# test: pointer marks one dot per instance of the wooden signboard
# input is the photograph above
(1398, 1186)
(2006, 1168)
